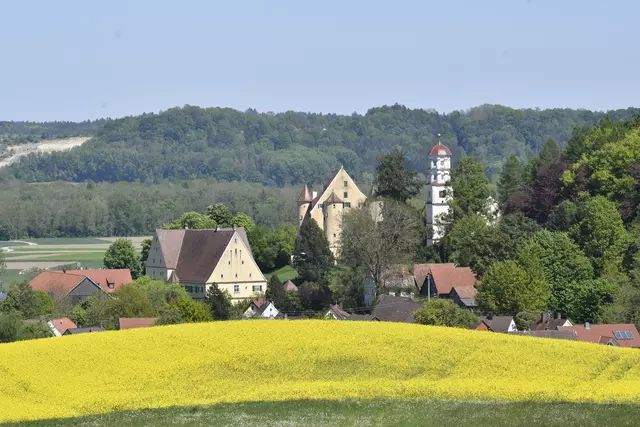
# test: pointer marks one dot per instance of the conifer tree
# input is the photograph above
(312, 256)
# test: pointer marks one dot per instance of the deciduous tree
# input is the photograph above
(444, 312)
(219, 302)
(122, 254)
(392, 180)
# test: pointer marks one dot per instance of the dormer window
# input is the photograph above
(111, 285)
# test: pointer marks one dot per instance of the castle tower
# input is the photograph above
(304, 201)
(437, 177)
(333, 208)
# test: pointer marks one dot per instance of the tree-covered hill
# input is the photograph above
(21, 132)
(292, 147)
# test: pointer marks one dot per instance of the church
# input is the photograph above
(438, 175)
(339, 195)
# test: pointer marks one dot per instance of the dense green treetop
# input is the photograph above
(293, 147)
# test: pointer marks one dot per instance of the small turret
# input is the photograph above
(333, 208)
(304, 201)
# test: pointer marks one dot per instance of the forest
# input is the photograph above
(64, 209)
(289, 148)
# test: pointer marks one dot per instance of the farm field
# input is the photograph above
(53, 253)
(365, 413)
(218, 363)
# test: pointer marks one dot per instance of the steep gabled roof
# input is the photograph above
(439, 150)
(305, 196)
(290, 286)
(76, 331)
(395, 309)
(497, 323)
(170, 244)
(61, 325)
(200, 253)
(56, 281)
(445, 276)
(103, 277)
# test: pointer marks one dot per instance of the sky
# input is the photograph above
(78, 59)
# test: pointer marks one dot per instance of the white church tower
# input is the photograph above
(438, 175)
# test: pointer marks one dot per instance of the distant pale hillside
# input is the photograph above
(253, 361)
(293, 147)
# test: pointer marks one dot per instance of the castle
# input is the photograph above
(340, 194)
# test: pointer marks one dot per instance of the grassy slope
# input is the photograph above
(242, 361)
(366, 413)
(285, 273)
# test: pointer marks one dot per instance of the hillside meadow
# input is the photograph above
(256, 361)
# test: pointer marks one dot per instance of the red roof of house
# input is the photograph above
(466, 291)
(445, 276)
(63, 324)
(103, 278)
(604, 333)
(305, 196)
(439, 150)
(290, 286)
(136, 322)
(56, 282)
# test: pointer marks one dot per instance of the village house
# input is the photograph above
(618, 335)
(136, 322)
(289, 286)
(561, 335)
(396, 281)
(547, 322)
(78, 285)
(339, 195)
(395, 309)
(199, 258)
(261, 308)
(336, 312)
(439, 280)
(493, 323)
(77, 331)
(59, 326)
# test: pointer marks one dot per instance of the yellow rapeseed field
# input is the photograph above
(200, 364)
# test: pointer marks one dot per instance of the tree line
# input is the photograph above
(292, 147)
(130, 209)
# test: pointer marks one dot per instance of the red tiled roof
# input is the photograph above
(439, 150)
(63, 324)
(56, 282)
(466, 291)
(305, 196)
(136, 322)
(445, 276)
(290, 286)
(603, 333)
(103, 278)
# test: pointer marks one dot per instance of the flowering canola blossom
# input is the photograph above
(221, 362)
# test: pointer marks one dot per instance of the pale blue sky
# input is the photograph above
(72, 60)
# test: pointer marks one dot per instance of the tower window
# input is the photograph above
(346, 194)
(442, 193)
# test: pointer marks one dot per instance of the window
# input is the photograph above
(236, 275)
(346, 184)
(242, 261)
(257, 288)
(442, 193)
(249, 274)
(229, 262)
(222, 276)
(334, 234)
(300, 217)
(347, 204)
(320, 205)
(236, 289)
(153, 261)
(111, 285)
(345, 194)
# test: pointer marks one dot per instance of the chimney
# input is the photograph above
(490, 315)
(587, 325)
(64, 270)
(558, 316)
(186, 227)
(314, 194)
(234, 226)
